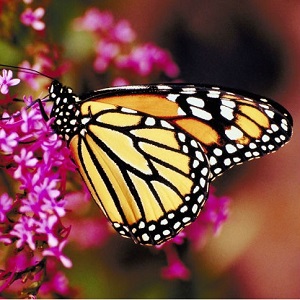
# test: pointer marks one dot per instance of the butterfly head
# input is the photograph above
(65, 110)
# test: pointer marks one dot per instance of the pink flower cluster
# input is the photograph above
(38, 161)
(116, 47)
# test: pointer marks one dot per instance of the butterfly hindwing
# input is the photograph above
(149, 179)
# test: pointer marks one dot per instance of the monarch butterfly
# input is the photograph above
(148, 153)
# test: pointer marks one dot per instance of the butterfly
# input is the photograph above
(148, 153)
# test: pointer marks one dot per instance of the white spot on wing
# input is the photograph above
(172, 97)
(145, 237)
(194, 144)
(230, 148)
(218, 170)
(284, 125)
(128, 110)
(166, 124)
(199, 155)
(204, 171)
(195, 102)
(269, 113)
(200, 113)
(150, 121)
(195, 208)
(227, 112)
(202, 182)
(265, 138)
(181, 136)
(234, 133)
(83, 132)
(163, 87)
(212, 160)
(218, 152)
(188, 90)
(195, 163)
(181, 112)
(274, 127)
(213, 94)
(227, 162)
(85, 120)
(125, 87)
(228, 103)
(152, 227)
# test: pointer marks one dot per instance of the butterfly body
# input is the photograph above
(148, 153)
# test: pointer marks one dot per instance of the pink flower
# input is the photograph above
(90, 233)
(116, 47)
(6, 204)
(57, 252)
(46, 225)
(6, 81)
(31, 120)
(47, 188)
(8, 141)
(101, 64)
(31, 204)
(94, 20)
(119, 81)
(32, 18)
(175, 269)
(23, 230)
(147, 58)
(123, 32)
(106, 52)
(214, 214)
(25, 159)
(57, 283)
(107, 49)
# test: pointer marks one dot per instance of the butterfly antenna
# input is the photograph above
(26, 70)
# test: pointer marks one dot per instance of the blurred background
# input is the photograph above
(250, 45)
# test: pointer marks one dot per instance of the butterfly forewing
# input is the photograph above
(232, 126)
(148, 153)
